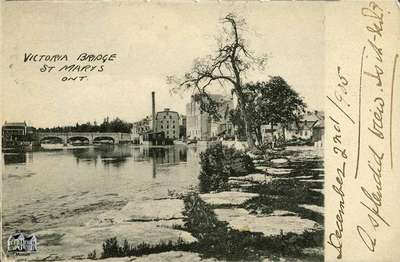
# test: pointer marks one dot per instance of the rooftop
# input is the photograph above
(23, 124)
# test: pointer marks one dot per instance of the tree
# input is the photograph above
(272, 102)
(237, 121)
(116, 125)
(254, 119)
(226, 68)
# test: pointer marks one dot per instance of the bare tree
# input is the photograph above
(227, 68)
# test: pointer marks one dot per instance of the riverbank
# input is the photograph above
(270, 208)
(273, 213)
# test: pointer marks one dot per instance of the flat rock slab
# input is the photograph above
(259, 177)
(318, 169)
(261, 168)
(142, 211)
(259, 161)
(317, 209)
(112, 259)
(227, 198)
(303, 177)
(240, 184)
(154, 209)
(312, 180)
(317, 190)
(278, 171)
(282, 213)
(180, 256)
(279, 160)
(274, 170)
(240, 219)
(74, 242)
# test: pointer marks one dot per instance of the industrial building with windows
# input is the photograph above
(168, 121)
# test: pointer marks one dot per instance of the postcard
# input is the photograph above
(200, 130)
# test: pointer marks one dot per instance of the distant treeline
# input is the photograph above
(115, 125)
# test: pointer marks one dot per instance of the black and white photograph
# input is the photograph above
(163, 131)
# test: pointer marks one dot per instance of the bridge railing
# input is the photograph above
(83, 134)
(90, 135)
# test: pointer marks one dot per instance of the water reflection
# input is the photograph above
(113, 155)
(164, 155)
(118, 157)
(17, 158)
(108, 155)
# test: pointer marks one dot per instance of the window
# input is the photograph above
(170, 117)
(162, 126)
(164, 117)
(173, 126)
(167, 126)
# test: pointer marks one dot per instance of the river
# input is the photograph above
(69, 187)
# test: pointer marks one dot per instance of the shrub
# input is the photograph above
(199, 219)
(218, 163)
(111, 248)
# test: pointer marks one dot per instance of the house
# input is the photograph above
(21, 242)
(271, 133)
(304, 129)
(319, 133)
(15, 132)
(140, 128)
(17, 129)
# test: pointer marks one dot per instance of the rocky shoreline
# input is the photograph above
(281, 201)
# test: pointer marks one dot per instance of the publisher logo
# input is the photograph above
(22, 243)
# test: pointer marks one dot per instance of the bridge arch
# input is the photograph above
(78, 138)
(84, 136)
(104, 138)
(59, 139)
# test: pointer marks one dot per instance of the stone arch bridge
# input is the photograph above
(91, 137)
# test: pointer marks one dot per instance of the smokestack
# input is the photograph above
(153, 108)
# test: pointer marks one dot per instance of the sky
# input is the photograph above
(151, 41)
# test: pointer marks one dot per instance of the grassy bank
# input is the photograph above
(285, 194)
(216, 239)
(113, 248)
